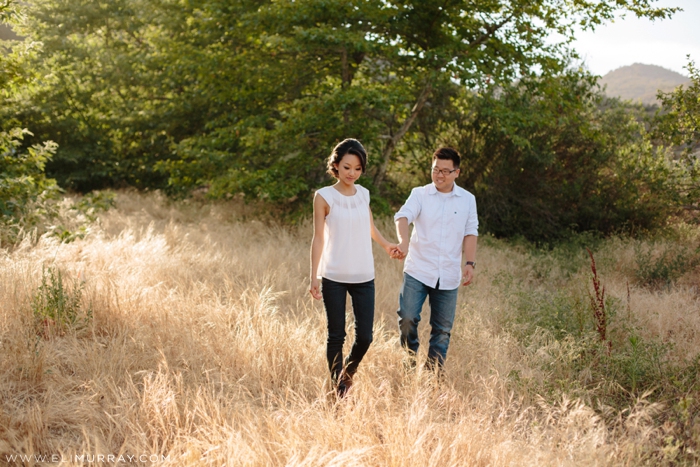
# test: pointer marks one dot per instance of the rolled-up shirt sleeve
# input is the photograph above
(412, 207)
(471, 227)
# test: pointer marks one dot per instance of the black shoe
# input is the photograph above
(344, 384)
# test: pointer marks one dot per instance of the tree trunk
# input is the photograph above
(345, 80)
(420, 103)
(394, 140)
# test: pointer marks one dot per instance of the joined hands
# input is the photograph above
(396, 251)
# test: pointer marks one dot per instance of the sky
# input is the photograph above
(631, 40)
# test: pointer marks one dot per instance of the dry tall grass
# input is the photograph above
(205, 348)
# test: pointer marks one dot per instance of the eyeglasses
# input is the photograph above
(445, 172)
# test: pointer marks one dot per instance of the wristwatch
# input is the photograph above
(471, 263)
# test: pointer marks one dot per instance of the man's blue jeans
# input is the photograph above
(442, 315)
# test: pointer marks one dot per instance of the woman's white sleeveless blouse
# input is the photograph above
(347, 249)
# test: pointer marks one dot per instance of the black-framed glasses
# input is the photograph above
(445, 172)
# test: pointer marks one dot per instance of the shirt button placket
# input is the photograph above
(443, 232)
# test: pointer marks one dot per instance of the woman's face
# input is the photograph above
(349, 168)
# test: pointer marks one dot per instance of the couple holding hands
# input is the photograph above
(440, 256)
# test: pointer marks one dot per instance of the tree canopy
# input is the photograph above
(249, 96)
(678, 123)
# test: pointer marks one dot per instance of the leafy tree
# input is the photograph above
(678, 123)
(8, 10)
(29, 199)
(25, 191)
(24, 187)
(107, 81)
(250, 94)
(547, 156)
(679, 120)
(370, 70)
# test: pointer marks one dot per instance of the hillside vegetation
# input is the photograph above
(247, 99)
(186, 332)
(641, 83)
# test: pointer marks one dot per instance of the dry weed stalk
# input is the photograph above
(600, 315)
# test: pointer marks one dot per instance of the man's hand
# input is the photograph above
(401, 251)
(397, 253)
(467, 274)
(392, 250)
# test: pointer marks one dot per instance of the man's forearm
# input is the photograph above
(469, 248)
(402, 230)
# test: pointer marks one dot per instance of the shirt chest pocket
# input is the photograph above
(457, 217)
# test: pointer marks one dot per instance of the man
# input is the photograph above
(441, 254)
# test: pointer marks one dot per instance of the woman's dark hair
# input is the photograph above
(347, 146)
(447, 154)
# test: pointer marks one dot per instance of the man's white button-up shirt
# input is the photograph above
(440, 223)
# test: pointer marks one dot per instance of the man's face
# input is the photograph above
(444, 174)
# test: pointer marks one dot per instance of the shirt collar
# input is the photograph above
(432, 190)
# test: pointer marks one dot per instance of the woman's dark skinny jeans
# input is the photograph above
(334, 296)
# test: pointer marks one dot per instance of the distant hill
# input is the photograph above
(640, 83)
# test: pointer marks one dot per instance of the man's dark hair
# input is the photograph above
(347, 146)
(447, 154)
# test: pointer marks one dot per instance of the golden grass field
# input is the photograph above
(197, 343)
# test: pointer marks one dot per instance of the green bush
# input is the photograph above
(26, 194)
(32, 202)
(678, 123)
(548, 156)
(76, 217)
(57, 306)
(659, 265)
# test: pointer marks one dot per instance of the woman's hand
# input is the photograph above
(400, 251)
(393, 251)
(315, 288)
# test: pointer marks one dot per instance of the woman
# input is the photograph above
(341, 255)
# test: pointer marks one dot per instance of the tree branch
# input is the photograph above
(420, 103)
(490, 31)
(391, 144)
